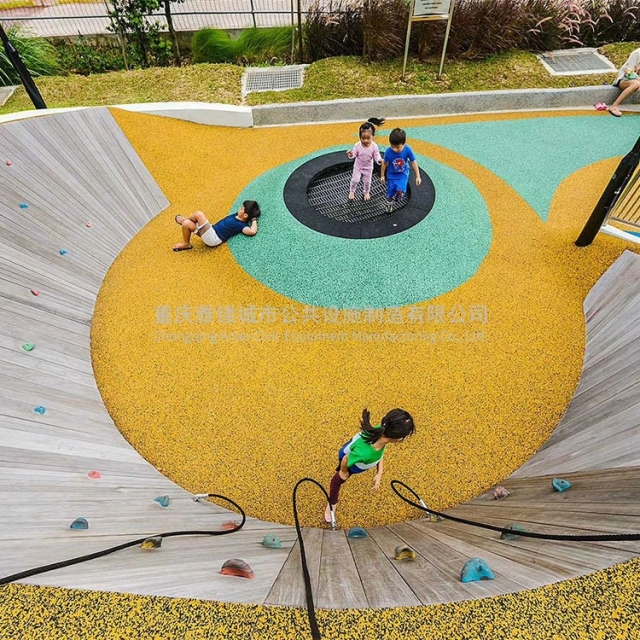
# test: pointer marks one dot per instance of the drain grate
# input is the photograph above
(272, 79)
(328, 194)
(576, 62)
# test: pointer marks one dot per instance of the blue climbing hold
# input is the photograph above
(560, 485)
(63, 252)
(39, 410)
(79, 523)
(357, 532)
(163, 501)
(24, 205)
(474, 570)
(271, 541)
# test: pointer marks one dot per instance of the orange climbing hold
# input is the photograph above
(94, 474)
(229, 525)
(237, 567)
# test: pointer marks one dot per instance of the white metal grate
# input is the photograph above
(272, 78)
(576, 62)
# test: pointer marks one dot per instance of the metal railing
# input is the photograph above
(49, 18)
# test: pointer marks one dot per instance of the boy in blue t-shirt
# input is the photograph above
(395, 167)
(245, 222)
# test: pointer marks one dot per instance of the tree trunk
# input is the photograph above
(172, 32)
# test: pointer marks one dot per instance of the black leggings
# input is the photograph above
(334, 488)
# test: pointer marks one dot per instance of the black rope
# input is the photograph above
(105, 552)
(311, 612)
(606, 537)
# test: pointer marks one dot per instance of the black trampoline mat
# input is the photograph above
(317, 195)
(328, 194)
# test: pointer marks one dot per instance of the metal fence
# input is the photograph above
(60, 18)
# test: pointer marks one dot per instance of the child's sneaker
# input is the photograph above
(398, 196)
(388, 207)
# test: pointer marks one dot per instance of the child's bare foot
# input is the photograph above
(352, 196)
(182, 246)
(179, 220)
(327, 513)
(367, 196)
(614, 111)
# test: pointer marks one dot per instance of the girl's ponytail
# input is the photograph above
(370, 433)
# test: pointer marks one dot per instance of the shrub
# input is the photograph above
(253, 45)
(385, 28)
(263, 45)
(333, 29)
(38, 55)
(84, 58)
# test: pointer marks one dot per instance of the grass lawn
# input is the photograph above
(330, 79)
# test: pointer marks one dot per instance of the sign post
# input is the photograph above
(427, 10)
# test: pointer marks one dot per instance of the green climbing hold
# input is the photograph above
(153, 542)
(474, 570)
(515, 527)
(272, 541)
(29, 346)
(403, 552)
(560, 485)
(163, 501)
(79, 523)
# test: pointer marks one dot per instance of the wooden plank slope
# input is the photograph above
(69, 169)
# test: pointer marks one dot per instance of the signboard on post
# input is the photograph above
(423, 10)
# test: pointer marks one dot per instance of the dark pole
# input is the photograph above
(22, 71)
(300, 52)
(609, 196)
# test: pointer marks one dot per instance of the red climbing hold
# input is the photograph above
(89, 223)
(229, 525)
(35, 293)
(94, 475)
(8, 163)
(237, 567)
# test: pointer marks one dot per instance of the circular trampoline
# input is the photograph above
(316, 195)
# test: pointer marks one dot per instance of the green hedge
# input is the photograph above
(253, 45)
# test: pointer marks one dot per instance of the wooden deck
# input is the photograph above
(73, 167)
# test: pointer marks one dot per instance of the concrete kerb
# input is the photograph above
(410, 106)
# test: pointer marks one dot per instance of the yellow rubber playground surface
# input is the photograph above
(244, 368)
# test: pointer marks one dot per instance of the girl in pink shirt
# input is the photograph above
(365, 153)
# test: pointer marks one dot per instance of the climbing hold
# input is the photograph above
(402, 552)
(229, 525)
(432, 517)
(505, 535)
(237, 567)
(272, 541)
(29, 346)
(39, 409)
(357, 532)
(560, 485)
(500, 492)
(163, 501)
(24, 205)
(94, 475)
(89, 223)
(155, 542)
(35, 293)
(79, 523)
(474, 570)
(63, 252)
(8, 163)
